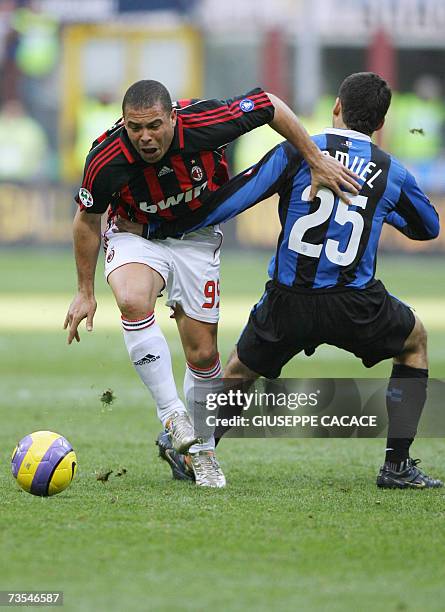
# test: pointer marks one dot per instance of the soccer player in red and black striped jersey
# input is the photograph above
(165, 162)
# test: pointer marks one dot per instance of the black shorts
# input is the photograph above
(370, 323)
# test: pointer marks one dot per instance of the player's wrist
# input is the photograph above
(315, 158)
(86, 293)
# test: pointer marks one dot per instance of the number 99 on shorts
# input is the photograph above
(211, 293)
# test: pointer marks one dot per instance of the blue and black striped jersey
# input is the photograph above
(326, 243)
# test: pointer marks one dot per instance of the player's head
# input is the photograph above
(362, 103)
(149, 119)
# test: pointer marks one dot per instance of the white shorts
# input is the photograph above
(188, 265)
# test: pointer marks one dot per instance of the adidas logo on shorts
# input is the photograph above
(147, 359)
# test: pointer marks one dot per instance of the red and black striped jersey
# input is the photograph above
(181, 182)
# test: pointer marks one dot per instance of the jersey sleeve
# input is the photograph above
(210, 124)
(414, 215)
(94, 195)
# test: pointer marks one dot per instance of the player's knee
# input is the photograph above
(418, 339)
(202, 356)
(134, 307)
(415, 350)
(423, 338)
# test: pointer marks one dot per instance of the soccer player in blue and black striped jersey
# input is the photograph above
(323, 288)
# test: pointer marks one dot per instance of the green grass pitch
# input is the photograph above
(301, 525)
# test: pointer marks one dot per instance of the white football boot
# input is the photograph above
(208, 472)
(182, 433)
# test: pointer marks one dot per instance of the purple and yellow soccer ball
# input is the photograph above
(44, 463)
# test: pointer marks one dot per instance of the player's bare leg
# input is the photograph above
(405, 400)
(236, 369)
(199, 341)
(415, 350)
(136, 287)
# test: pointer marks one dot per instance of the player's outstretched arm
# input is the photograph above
(244, 190)
(86, 235)
(414, 215)
(325, 170)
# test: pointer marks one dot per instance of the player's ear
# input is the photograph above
(173, 117)
(336, 111)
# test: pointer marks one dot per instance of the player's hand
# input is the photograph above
(330, 173)
(82, 307)
(124, 225)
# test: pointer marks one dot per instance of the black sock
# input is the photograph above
(405, 399)
(397, 451)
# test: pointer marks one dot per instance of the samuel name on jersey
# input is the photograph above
(359, 165)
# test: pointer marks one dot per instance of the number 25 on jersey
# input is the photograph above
(342, 216)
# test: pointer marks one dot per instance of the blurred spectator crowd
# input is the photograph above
(29, 54)
(30, 82)
(30, 71)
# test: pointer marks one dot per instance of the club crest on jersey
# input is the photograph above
(110, 255)
(85, 197)
(247, 105)
(197, 173)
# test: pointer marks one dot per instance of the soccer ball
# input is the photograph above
(44, 463)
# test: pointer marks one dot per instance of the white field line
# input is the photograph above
(47, 312)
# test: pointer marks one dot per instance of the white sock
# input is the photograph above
(195, 391)
(151, 358)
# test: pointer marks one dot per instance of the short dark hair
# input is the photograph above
(144, 94)
(365, 98)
